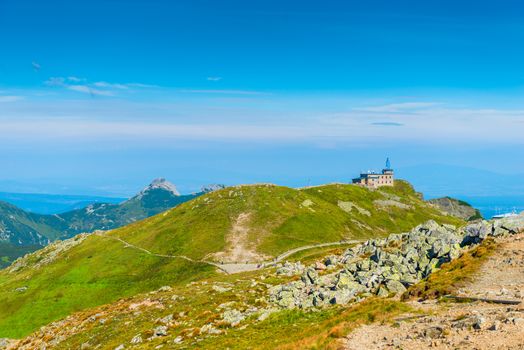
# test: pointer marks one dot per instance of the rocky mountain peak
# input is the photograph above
(162, 184)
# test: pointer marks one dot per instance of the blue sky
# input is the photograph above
(99, 97)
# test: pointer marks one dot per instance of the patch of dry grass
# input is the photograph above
(452, 275)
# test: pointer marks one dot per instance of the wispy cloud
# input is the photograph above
(224, 92)
(10, 98)
(89, 90)
(126, 86)
(75, 79)
(36, 66)
(99, 88)
(398, 107)
(387, 124)
(214, 78)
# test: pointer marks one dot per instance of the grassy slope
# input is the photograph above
(95, 272)
(101, 270)
(279, 220)
(289, 329)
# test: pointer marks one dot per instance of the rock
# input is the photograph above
(518, 321)
(137, 339)
(433, 332)
(495, 326)
(473, 321)
(342, 297)
(120, 347)
(220, 289)
(209, 329)
(320, 266)
(382, 292)
(344, 280)
(165, 289)
(166, 320)
(310, 276)
(290, 269)
(479, 322)
(232, 317)
(331, 260)
(160, 331)
(21, 289)
(395, 286)
(178, 340)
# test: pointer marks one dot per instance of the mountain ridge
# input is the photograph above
(21, 228)
(90, 270)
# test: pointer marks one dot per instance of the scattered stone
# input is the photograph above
(160, 331)
(433, 332)
(166, 320)
(320, 266)
(220, 289)
(232, 317)
(495, 326)
(384, 266)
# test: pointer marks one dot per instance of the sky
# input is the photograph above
(100, 97)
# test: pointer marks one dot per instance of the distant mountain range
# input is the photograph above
(21, 230)
(53, 203)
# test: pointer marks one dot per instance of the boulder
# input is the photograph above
(310, 276)
(395, 286)
(160, 331)
(232, 317)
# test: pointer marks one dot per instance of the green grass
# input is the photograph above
(101, 270)
(452, 275)
(96, 272)
(288, 329)
(296, 329)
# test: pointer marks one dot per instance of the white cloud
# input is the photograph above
(214, 78)
(75, 79)
(398, 107)
(55, 81)
(89, 90)
(100, 88)
(103, 84)
(11, 98)
(223, 92)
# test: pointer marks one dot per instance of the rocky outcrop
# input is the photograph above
(46, 255)
(385, 266)
(456, 208)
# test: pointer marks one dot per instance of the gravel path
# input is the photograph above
(474, 325)
(231, 268)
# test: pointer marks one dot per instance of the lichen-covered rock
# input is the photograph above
(385, 266)
(233, 317)
(395, 286)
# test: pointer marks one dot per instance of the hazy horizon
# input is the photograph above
(288, 92)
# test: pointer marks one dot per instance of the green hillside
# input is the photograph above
(263, 220)
(22, 231)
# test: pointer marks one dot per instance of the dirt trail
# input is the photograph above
(474, 325)
(239, 248)
(129, 245)
(229, 268)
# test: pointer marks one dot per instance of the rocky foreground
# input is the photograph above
(472, 325)
(377, 267)
(384, 266)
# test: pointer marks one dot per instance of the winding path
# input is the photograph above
(231, 268)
